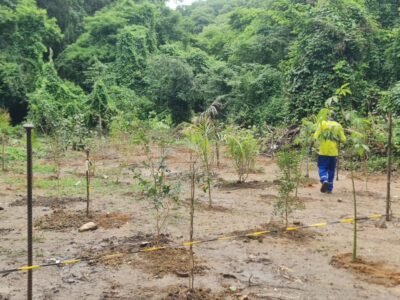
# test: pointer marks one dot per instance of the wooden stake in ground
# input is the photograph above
(389, 167)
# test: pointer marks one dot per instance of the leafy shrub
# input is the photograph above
(243, 149)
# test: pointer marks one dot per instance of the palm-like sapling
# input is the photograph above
(243, 149)
(198, 137)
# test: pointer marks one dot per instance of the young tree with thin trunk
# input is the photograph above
(357, 148)
(162, 192)
(390, 106)
(288, 162)
(199, 139)
(57, 150)
(389, 166)
(192, 164)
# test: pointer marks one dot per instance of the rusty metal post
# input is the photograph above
(87, 181)
(28, 128)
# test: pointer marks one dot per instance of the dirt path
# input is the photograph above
(273, 267)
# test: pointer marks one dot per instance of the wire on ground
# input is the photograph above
(188, 244)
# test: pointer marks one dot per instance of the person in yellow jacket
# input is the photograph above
(329, 134)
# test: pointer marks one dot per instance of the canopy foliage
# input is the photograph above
(268, 62)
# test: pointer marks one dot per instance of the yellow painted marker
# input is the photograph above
(346, 221)
(187, 244)
(258, 233)
(292, 228)
(224, 238)
(28, 268)
(375, 216)
(70, 262)
(319, 225)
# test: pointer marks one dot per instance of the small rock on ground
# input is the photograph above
(88, 226)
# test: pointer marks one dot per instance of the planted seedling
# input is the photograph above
(161, 192)
(57, 150)
(288, 162)
(356, 148)
(243, 149)
(390, 106)
(198, 138)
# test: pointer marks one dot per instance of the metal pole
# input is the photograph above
(28, 128)
(87, 182)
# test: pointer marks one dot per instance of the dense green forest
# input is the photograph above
(87, 63)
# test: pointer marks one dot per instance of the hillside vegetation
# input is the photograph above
(87, 62)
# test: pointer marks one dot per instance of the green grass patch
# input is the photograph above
(76, 186)
(41, 168)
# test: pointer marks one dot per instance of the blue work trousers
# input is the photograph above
(326, 170)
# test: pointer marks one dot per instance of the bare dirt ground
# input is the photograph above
(311, 264)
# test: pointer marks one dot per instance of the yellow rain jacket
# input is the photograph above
(329, 133)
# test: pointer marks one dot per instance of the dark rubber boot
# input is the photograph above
(324, 187)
